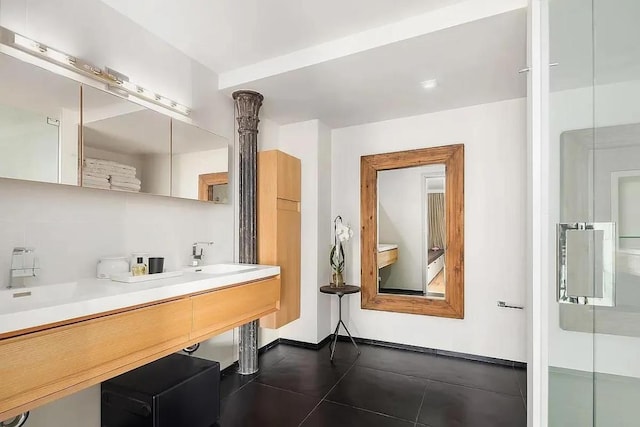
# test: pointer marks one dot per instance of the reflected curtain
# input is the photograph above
(437, 232)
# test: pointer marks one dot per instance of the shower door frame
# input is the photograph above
(539, 221)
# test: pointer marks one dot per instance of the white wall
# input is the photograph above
(325, 230)
(302, 140)
(71, 227)
(617, 104)
(495, 208)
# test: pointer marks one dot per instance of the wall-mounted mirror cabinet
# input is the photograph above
(126, 147)
(39, 118)
(53, 129)
(412, 217)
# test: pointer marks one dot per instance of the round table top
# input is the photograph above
(343, 290)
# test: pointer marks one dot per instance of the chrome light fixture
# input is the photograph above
(115, 81)
(141, 92)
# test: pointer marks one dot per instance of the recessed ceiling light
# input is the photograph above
(429, 84)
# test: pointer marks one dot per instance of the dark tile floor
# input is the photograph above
(381, 387)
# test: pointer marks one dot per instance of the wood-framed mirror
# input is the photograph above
(412, 225)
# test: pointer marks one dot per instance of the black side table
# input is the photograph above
(341, 291)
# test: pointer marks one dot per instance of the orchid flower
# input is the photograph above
(343, 232)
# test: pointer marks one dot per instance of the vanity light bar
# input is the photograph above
(46, 52)
(149, 95)
(39, 49)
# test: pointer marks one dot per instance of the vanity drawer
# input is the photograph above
(40, 364)
(224, 309)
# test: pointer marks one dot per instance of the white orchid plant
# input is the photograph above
(342, 233)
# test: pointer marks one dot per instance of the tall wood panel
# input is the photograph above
(279, 193)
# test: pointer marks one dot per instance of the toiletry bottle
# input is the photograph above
(139, 268)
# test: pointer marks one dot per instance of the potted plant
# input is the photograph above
(341, 234)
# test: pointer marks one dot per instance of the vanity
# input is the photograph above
(58, 339)
(387, 254)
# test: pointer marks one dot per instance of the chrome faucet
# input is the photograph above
(23, 264)
(196, 258)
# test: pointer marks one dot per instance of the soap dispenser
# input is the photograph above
(139, 268)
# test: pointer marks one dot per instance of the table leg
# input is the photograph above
(335, 333)
(334, 341)
(348, 333)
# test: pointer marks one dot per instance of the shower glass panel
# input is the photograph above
(594, 319)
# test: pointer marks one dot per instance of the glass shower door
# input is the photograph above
(594, 321)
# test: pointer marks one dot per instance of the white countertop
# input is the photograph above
(386, 247)
(60, 302)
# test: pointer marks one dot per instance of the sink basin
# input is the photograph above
(221, 268)
(11, 299)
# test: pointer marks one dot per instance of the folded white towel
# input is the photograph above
(123, 179)
(95, 175)
(125, 185)
(96, 185)
(130, 189)
(107, 163)
(93, 180)
(109, 171)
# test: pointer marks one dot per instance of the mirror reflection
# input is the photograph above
(412, 231)
(200, 164)
(39, 117)
(53, 129)
(127, 147)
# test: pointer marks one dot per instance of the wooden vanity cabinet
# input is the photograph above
(55, 361)
(278, 209)
(387, 257)
(51, 363)
(216, 312)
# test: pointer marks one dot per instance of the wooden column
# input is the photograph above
(247, 105)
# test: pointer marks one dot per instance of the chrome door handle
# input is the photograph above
(608, 298)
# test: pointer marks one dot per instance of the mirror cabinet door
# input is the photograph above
(39, 118)
(199, 164)
(112, 144)
(126, 147)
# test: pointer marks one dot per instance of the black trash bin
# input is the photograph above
(175, 391)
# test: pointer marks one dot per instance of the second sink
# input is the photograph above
(221, 268)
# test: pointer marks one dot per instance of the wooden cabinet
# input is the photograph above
(387, 257)
(38, 365)
(216, 312)
(279, 194)
(42, 366)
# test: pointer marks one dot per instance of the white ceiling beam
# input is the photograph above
(458, 14)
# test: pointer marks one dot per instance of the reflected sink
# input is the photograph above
(221, 268)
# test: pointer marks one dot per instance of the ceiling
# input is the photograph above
(227, 34)
(384, 83)
(349, 62)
